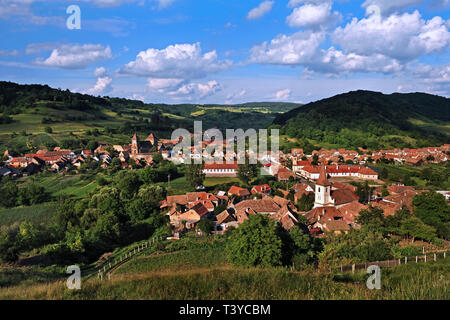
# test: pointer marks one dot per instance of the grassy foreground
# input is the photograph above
(196, 275)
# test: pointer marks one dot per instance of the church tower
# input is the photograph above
(135, 145)
(323, 190)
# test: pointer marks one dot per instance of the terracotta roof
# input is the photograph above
(323, 180)
(200, 209)
(351, 211)
(323, 213)
(280, 201)
(241, 192)
(259, 206)
(336, 225)
(225, 216)
(261, 188)
(214, 165)
(342, 196)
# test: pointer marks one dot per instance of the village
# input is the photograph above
(318, 175)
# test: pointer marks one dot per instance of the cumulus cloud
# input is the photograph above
(200, 90)
(36, 48)
(258, 12)
(283, 94)
(301, 47)
(405, 36)
(74, 56)
(164, 85)
(311, 15)
(388, 6)
(435, 77)
(100, 72)
(102, 86)
(180, 61)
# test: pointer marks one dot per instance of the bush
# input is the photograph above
(255, 243)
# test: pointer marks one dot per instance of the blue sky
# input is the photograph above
(228, 51)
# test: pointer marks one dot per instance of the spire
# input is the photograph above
(323, 180)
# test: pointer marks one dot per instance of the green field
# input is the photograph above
(36, 214)
(202, 273)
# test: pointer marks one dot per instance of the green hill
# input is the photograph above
(28, 111)
(371, 119)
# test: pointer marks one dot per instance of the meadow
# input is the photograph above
(41, 213)
(405, 282)
(196, 268)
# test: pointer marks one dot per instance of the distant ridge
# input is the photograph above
(372, 119)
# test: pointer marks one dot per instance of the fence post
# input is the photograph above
(399, 262)
(353, 268)
(425, 258)
(341, 267)
(444, 254)
(110, 265)
(416, 259)
(109, 275)
(406, 260)
(435, 257)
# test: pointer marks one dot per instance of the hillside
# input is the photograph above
(37, 116)
(201, 271)
(371, 119)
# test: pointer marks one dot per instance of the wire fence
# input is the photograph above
(104, 270)
(433, 256)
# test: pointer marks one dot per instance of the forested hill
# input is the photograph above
(38, 116)
(371, 119)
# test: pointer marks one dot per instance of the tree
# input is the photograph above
(247, 171)
(10, 245)
(128, 183)
(414, 227)
(195, 175)
(32, 194)
(371, 218)
(48, 130)
(315, 161)
(9, 192)
(306, 202)
(384, 173)
(206, 226)
(255, 243)
(432, 209)
(384, 191)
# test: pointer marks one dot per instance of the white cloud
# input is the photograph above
(295, 3)
(36, 48)
(200, 90)
(263, 8)
(301, 47)
(406, 36)
(75, 56)
(283, 94)
(164, 85)
(389, 6)
(100, 72)
(180, 61)
(333, 61)
(102, 86)
(311, 15)
(233, 96)
(436, 77)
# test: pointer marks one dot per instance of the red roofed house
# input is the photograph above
(214, 169)
(262, 189)
(240, 192)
